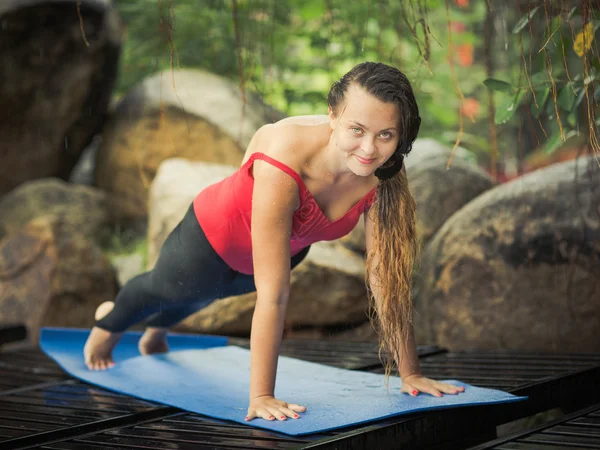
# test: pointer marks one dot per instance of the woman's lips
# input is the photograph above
(363, 160)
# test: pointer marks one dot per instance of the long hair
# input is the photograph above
(390, 261)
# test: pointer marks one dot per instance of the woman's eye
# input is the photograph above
(386, 135)
(356, 130)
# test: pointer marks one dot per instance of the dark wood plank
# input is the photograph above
(111, 420)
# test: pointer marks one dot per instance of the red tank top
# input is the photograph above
(224, 210)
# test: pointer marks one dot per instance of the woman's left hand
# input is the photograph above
(413, 384)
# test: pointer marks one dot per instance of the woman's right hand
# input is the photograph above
(269, 408)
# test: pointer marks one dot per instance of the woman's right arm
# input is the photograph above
(274, 199)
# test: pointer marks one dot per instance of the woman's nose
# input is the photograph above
(368, 147)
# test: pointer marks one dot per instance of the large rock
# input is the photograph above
(518, 267)
(355, 240)
(426, 148)
(176, 184)
(85, 208)
(55, 83)
(50, 275)
(84, 170)
(440, 192)
(189, 114)
(127, 266)
(328, 287)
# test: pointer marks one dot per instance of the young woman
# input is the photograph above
(302, 180)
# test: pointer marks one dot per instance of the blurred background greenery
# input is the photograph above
(513, 82)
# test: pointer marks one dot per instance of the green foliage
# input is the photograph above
(498, 85)
(559, 67)
(117, 241)
(291, 51)
(525, 20)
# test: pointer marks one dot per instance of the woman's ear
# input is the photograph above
(332, 118)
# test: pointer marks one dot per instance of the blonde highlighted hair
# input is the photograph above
(392, 256)
(390, 263)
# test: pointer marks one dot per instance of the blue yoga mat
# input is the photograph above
(203, 374)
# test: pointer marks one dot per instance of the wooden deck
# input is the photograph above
(42, 407)
(578, 430)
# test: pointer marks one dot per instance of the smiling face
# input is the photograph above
(365, 130)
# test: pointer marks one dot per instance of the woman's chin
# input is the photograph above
(362, 171)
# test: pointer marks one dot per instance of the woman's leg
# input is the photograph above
(154, 339)
(236, 284)
(172, 316)
(187, 271)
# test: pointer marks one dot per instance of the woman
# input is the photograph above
(302, 180)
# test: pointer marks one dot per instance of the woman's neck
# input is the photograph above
(326, 162)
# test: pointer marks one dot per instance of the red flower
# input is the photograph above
(464, 53)
(470, 108)
(457, 27)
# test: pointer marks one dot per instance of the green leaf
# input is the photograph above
(522, 23)
(551, 108)
(539, 78)
(498, 85)
(566, 97)
(540, 99)
(580, 97)
(555, 141)
(572, 118)
(508, 106)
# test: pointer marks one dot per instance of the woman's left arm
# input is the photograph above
(407, 358)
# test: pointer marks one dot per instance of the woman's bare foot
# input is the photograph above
(100, 343)
(98, 349)
(153, 341)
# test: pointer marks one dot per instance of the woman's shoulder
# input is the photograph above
(303, 121)
(291, 141)
(298, 130)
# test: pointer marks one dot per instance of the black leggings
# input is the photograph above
(188, 276)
